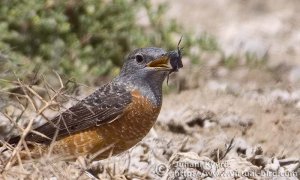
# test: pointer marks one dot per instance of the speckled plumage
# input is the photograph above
(119, 113)
(124, 132)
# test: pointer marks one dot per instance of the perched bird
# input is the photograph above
(117, 115)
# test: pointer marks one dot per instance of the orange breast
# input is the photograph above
(124, 132)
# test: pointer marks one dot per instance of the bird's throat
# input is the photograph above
(150, 87)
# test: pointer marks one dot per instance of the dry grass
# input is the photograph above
(29, 102)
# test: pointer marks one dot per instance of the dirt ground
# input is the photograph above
(219, 122)
(255, 108)
(258, 106)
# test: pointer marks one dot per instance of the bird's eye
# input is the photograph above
(139, 58)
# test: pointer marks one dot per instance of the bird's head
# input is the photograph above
(150, 65)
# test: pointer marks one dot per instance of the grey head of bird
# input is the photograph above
(146, 69)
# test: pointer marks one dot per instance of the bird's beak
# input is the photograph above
(161, 63)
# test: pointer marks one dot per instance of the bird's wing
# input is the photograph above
(103, 106)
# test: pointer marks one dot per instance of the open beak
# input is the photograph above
(161, 63)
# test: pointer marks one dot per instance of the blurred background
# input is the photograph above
(241, 75)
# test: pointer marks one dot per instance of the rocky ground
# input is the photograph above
(219, 121)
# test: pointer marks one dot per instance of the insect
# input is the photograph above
(176, 61)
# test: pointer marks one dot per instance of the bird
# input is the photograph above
(116, 116)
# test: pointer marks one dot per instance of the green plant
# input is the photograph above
(254, 61)
(207, 42)
(80, 39)
(230, 61)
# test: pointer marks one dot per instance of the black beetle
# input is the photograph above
(175, 61)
